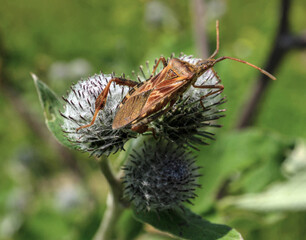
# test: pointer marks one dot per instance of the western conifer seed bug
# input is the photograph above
(148, 100)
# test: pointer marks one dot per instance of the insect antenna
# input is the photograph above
(235, 59)
(245, 62)
(218, 41)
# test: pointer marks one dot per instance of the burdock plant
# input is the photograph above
(162, 180)
(160, 175)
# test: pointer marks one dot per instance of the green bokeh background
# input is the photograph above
(119, 36)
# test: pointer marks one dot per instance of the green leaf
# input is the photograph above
(51, 106)
(284, 196)
(186, 224)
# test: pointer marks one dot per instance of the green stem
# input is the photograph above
(114, 204)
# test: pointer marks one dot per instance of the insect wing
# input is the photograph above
(130, 110)
(153, 82)
(160, 97)
(132, 104)
(148, 98)
(159, 94)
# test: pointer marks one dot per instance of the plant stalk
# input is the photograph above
(114, 203)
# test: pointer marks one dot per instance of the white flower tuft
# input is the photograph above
(209, 77)
(100, 138)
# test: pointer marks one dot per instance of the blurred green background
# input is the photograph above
(47, 192)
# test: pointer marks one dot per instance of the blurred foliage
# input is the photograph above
(43, 197)
(250, 160)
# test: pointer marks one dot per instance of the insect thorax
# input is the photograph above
(182, 68)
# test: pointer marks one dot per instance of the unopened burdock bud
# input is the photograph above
(160, 176)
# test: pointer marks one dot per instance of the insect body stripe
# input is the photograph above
(131, 91)
(128, 95)
(124, 99)
(139, 84)
(171, 74)
(143, 115)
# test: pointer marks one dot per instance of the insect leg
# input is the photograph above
(164, 61)
(101, 99)
(124, 82)
(217, 86)
(216, 75)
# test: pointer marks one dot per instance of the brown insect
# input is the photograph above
(150, 99)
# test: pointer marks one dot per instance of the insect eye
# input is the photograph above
(204, 64)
